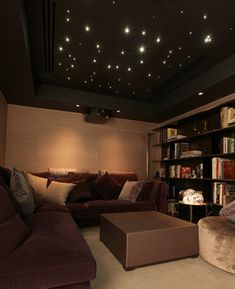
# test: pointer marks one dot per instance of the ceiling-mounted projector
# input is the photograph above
(97, 115)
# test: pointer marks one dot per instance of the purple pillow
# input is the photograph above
(80, 193)
(12, 229)
(108, 187)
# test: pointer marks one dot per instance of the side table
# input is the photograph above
(195, 205)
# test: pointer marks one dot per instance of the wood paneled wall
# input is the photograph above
(41, 138)
(3, 125)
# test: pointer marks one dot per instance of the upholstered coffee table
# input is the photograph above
(143, 238)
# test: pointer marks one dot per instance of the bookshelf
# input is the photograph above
(198, 152)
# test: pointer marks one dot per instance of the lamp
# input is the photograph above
(192, 197)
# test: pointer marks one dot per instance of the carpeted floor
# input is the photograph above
(190, 273)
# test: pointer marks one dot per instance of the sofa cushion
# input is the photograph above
(80, 193)
(12, 229)
(228, 211)
(22, 192)
(130, 190)
(108, 187)
(77, 210)
(50, 207)
(10, 195)
(54, 254)
(145, 192)
(6, 175)
(57, 193)
(38, 184)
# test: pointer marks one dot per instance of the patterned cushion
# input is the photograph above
(131, 190)
(228, 211)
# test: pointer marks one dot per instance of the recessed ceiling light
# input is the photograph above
(182, 11)
(94, 60)
(122, 52)
(117, 66)
(133, 92)
(204, 16)
(109, 66)
(118, 110)
(72, 65)
(129, 83)
(94, 73)
(85, 81)
(67, 19)
(164, 61)
(60, 48)
(149, 75)
(87, 28)
(200, 93)
(68, 78)
(180, 65)
(190, 33)
(143, 32)
(170, 51)
(97, 46)
(114, 2)
(189, 56)
(99, 85)
(77, 105)
(208, 39)
(67, 39)
(67, 69)
(59, 63)
(110, 87)
(119, 79)
(158, 40)
(70, 55)
(141, 61)
(142, 49)
(180, 48)
(92, 80)
(129, 68)
(127, 30)
(68, 11)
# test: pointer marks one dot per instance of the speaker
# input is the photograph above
(97, 115)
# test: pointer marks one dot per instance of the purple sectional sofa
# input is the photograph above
(46, 249)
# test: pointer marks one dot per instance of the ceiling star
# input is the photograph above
(118, 110)
(77, 105)
(68, 11)
(129, 68)
(87, 28)
(158, 40)
(67, 19)
(72, 65)
(143, 32)
(74, 58)
(142, 49)
(164, 61)
(122, 52)
(59, 63)
(97, 46)
(208, 39)
(204, 16)
(68, 78)
(60, 48)
(94, 60)
(190, 33)
(141, 61)
(149, 75)
(70, 55)
(117, 66)
(109, 66)
(67, 39)
(127, 30)
(200, 93)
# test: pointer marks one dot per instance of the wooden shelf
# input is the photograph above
(198, 179)
(203, 134)
(200, 157)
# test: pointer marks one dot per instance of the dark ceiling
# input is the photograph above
(148, 59)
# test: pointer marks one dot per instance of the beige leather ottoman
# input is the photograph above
(142, 238)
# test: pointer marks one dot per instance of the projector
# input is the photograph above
(97, 115)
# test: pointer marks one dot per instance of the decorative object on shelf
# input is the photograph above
(205, 123)
(190, 196)
(196, 129)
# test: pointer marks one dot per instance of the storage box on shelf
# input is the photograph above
(198, 152)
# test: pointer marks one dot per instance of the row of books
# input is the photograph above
(227, 116)
(223, 193)
(179, 171)
(167, 134)
(181, 150)
(223, 168)
(228, 145)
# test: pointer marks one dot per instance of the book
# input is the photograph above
(223, 168)
(186, 172)
(227, 116)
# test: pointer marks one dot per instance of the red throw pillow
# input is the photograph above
(108, 187)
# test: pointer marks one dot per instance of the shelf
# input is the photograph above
(218, 130)
(200, 157)
(204, 179)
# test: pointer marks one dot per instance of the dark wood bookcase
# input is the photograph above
(201, 132)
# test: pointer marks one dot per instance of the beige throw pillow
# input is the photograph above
(57, 192)
(39, 186)
(131, 190)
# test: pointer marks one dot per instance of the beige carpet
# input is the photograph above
(190, 273)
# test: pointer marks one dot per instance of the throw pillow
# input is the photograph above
(228, 211)
(60, 172)
(10, 195)
(38, 185)
(108, 187)
(22, 192)
(80, 193)
(131, 190)
(12, 229)
(57, 192)
(120, 176)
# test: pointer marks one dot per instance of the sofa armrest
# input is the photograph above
(155, 192)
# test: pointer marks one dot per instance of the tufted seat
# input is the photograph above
(217, 242)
